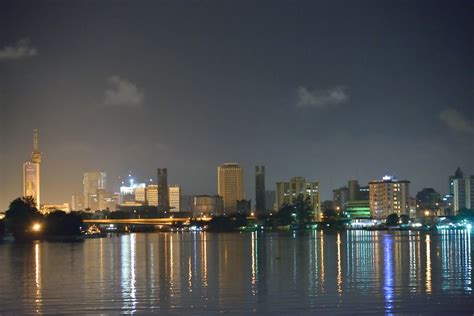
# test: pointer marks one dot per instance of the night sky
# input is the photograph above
(328, 90)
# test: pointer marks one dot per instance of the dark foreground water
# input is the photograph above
(352, 272)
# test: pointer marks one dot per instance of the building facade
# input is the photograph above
(31, 173)
(152, 195)
(288, 193)
(388, 196)
(175, 198)
(163, 194)
(230, 185)
(463, 194)
(93, 181)
(206, 205)
(260, 206)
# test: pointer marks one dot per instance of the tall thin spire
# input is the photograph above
(36, 155)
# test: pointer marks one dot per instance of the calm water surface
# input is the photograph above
(353, 272)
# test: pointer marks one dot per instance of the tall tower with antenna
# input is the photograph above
(31, 172)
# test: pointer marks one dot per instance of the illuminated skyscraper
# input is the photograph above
(230, 185)
(463, 193)
(152, 195)
(93, 181)
(31, 172)
(260, 190)
(174, 198)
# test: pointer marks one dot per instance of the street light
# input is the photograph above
(36, 227)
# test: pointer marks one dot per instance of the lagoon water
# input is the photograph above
(353, 272)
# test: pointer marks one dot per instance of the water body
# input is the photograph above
(355, 272)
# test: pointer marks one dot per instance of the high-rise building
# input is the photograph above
(260, 206)
(354, 190)
(457, 175)
(152, 195)
(230, 185)
(93, 181)
(288, 193)
(163, 193)
(388, 196)
(270, 200)
(77, 202)
(340, 198)
(175, 198)
(463, 193)
(140, 193)
(31, 173)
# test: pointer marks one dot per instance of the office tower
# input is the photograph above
(260, 207)
(388, 196)
(152, 195)
(340, 198)
(354, 190)
(77, 202)
(288, 193)
(206, 205)
(140, 193)
(175, 198)
(463, 193)
(230, 185)
(457, 175)
(93, 181)
(163, 192)
(270, 200)
(31, 173)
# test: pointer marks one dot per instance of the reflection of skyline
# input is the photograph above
(165, 271)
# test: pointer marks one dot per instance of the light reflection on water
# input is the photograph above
(344, 272)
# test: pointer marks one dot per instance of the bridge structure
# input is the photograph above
(145, 221)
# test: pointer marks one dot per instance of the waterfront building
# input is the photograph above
(458, 174)
(206, 205)
(388, 196)
(358, 209)
(152, 195)
(288, 193)
(163, 193)
(327, 205)
(31, 173)
(230, 185)
(260, 207)
(463, 193)
(93, 181)
(175, 198)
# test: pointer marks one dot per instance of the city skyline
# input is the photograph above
(312, 94)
